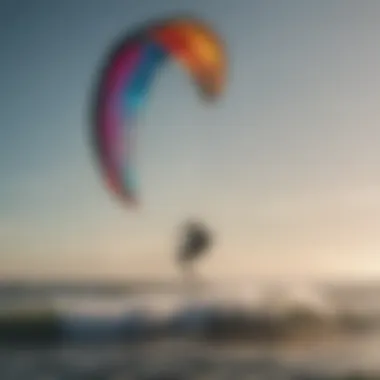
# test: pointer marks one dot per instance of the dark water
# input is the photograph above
(103, 314)
(185, 361)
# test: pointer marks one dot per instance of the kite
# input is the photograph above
(125, 82)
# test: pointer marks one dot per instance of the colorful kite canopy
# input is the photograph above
(125, 82)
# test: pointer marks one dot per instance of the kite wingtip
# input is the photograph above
(133, 203)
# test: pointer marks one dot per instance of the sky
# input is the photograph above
(284, 168)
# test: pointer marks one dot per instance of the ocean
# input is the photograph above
(220, 330)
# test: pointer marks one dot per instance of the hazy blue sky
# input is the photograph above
(285, 168)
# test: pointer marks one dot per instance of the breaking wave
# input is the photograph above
(213, 313)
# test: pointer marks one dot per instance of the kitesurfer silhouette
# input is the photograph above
(196, 239)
